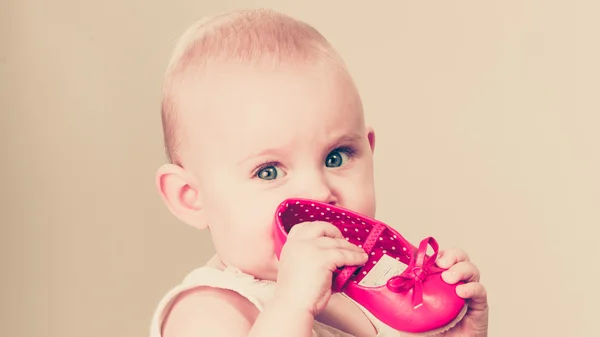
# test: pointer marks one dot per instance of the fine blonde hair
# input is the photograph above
(245, 36)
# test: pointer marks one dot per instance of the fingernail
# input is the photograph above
(449, 277)
(461, 292)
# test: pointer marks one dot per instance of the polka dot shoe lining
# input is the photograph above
(354, 229)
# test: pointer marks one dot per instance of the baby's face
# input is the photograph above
(274, 134)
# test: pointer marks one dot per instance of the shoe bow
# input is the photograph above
(416, 273)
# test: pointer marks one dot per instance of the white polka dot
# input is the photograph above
(359, 246)
(398, 258)
(296, 214)
(347, 239)
(343, 213)
(326, 218)
(345, 229)
(384, 251)
(394, 236)
(358, 239)
(364, 272)
(297, 202)
(279, 213)
(372, 253)
(356, 229)
(393, 248)
(380, 239)
(322, 213)
(327, 208)
(404, 248)
(313, 205)
(312, 216)
(374, 262)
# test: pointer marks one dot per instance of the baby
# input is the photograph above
(258, 107)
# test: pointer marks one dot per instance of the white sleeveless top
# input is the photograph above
(256, 291)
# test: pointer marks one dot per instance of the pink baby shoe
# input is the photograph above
(400, 284)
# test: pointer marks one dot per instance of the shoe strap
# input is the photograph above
(340, 281)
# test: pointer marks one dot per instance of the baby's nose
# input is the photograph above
(319, 191)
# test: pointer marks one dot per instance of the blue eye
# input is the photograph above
(267, 173)
(336, 158)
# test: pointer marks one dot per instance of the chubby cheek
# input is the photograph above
(361, 200)
(253, 242)
(357, 191)
(247, 222)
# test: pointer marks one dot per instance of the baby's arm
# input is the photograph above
(313, 250)
(279, 319)
(223, 313)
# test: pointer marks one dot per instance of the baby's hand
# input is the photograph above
(309, 257)
(475, 322)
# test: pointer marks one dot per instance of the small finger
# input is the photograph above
(447, 258)
(337, 243)
(462, 271)
(313, 230)
(475, 292)
(351, 246)
(343, 257)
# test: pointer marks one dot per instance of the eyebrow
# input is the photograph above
(265, 152)
(346, 138)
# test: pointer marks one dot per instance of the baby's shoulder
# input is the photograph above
(209, 311)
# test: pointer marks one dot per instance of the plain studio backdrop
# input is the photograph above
(487, 120)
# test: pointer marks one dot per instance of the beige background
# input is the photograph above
(487, 116)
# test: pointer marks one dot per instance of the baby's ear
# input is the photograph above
(371, 138)
(180, 193)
